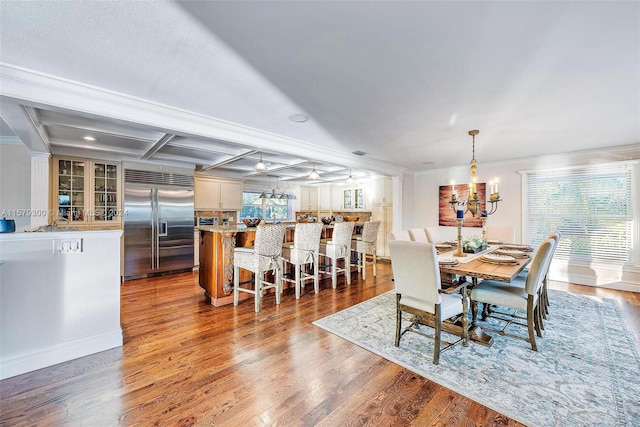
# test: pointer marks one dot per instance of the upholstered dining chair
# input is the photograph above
(264, 256)
(522, 294)
(302, 252)
(504, 234)
(417, 284)
(399, 235)
(544, 295)
(418, 235)
(365, 247)
(434, 235)
(338, 248)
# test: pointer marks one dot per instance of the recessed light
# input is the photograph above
(299, 118)
(89, 138)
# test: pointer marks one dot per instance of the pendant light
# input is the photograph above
(260, 167)
(350, 180)
(314, 173)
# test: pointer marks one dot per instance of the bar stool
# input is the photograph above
(264, 256)
(303, 251)
(336, 248)
(365, 246)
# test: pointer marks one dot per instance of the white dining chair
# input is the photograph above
(522, 294)
(416, 275)
(418, 235)
(399, 235)
(434, 235)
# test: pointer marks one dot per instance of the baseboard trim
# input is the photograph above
(60, 353)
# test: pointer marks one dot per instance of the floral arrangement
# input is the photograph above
(474, 244)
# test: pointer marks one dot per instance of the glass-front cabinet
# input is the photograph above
(87, 192)
(353, 198)
(71, 189)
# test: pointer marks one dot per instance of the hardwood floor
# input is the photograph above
(185, 362)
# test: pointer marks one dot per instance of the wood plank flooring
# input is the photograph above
(185, 362)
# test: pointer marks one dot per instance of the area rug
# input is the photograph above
(586, 371)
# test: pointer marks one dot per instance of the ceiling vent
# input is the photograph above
(359, 153)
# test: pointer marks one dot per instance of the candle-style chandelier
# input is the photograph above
(472, 203)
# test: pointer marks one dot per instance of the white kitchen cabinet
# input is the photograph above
(308, 199)
(324, 197)
(353, 199)
(384, 213)
(217, 194)
(382, 190)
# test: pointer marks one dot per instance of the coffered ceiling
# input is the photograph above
(212, 84)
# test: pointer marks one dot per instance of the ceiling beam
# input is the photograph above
(158, 145)
(230, 160)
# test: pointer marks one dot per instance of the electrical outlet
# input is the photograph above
(66, 246)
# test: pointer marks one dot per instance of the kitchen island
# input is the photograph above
(216, 258)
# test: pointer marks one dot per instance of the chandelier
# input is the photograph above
(273, 194)
(472, 203)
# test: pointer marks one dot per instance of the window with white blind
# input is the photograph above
(592, 206)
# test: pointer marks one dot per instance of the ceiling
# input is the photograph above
(401, 81)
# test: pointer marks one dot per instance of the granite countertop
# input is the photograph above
(240, 228)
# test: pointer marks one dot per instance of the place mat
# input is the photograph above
(511, 252)
(493, 258)
(448, 261)
(494, 242)
(453, 243)
(523, 248)
(443, 246)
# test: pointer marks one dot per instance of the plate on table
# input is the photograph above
(443, 247)
(511, 252)
(339, 218)
(448, 261)
(494, 242)
(494, 258)
(450, 242)
(523, 248)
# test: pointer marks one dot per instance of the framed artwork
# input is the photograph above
(447, 215)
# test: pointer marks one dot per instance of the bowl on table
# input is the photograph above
(251, 222)
(351, 218)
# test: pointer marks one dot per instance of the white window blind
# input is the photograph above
(592, 206)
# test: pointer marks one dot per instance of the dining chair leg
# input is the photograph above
(375, 262)
(437, 335)
(530, 327)
(334, 273)
(278, 282)
(398, 320)
(347, 270)
(364, 266)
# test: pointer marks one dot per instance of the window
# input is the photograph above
(269, 209)
(592, 206)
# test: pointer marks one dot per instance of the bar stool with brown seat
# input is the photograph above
(365, 247)
(302, 252)
(338, 248)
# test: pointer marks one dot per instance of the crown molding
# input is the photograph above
(43, 90)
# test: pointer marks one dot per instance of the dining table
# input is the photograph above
(462, 272)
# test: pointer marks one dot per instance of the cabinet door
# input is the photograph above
(105, 198)
(71, 198)
(336, 199)
(207, 194)
(324, 198)
(313, 199)
(231, 195)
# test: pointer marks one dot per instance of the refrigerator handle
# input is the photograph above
(154, 228)
(162, 228)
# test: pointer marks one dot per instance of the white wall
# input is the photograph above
(15, 182)
(509, 211)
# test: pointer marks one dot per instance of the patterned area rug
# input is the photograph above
(586, 371)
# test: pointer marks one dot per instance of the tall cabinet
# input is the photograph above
(87, 192)
(382, 210)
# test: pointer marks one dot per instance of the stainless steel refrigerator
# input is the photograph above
(158, 222)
